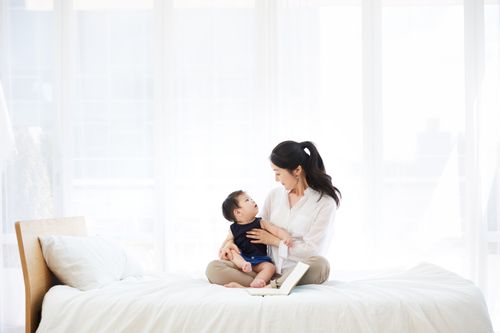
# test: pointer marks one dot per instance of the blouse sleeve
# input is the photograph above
(266, 209)
(313, 241)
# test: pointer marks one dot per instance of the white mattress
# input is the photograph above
(424, 299)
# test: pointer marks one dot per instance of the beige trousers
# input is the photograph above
(224, 271)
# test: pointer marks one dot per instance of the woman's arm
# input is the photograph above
(282, 234)
(262, 236)
(310, 243)
(265, 211)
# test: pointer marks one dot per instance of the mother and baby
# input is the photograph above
(294, 224)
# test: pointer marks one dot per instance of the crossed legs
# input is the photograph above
(223, 272)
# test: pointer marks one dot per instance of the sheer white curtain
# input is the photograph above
(143, 115)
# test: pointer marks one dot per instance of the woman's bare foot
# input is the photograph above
(247, 267)
(258, 283)
(233, 285)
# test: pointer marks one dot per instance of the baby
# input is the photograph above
(240, 209)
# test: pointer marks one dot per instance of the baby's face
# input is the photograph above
(248, 207)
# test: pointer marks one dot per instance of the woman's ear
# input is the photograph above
(298, 171)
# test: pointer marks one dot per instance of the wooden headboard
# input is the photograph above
(37, 277)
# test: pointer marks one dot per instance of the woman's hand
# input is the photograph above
(225, 251)
(261, 236)
(288, 242)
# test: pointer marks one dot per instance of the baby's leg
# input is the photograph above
(240, 262)
(265, 271)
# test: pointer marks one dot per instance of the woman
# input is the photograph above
(305, 206)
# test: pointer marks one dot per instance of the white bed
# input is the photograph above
(424, 299)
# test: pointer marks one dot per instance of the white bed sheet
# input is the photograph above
(423, 299)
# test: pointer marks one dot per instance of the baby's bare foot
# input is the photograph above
(233, 285)
(247, 267)
(258, 283)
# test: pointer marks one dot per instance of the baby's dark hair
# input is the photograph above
(230, 204)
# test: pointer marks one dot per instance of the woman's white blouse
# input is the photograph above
(309, 221)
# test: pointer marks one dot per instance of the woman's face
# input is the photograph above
(284, 177)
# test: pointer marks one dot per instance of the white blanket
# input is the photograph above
(424, 299)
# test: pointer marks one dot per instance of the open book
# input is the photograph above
(287, 285)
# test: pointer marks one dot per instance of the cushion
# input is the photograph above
(87, 262)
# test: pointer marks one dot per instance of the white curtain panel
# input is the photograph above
(143, 115)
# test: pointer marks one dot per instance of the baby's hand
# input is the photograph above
(288, 242)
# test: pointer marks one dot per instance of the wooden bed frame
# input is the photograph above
(38, 279)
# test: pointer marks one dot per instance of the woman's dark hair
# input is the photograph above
(230, 204)
(290, 154)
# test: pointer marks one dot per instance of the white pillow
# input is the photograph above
(86, 262)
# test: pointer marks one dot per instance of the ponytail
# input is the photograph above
(290, 154)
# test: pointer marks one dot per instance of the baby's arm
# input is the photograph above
(229, 239)
(230, 251)
(278, 232)
(225, 251)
